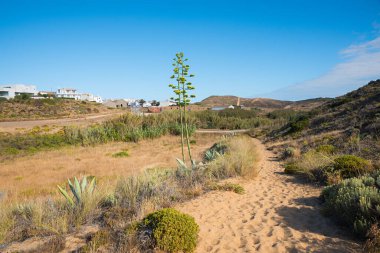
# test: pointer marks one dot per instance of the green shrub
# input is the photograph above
(351, 166)
(290, 152)
(292, 168)
(326, 149)
(236, 188)
(172, 230)
(299, 124)
(355, 202)
(121, 154)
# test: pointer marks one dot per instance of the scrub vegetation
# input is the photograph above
(122, 212)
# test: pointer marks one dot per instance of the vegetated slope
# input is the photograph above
(46, 108)
(350, 122)
(359, 110)
(263, 103)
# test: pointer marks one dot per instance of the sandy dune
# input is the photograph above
(276, 214)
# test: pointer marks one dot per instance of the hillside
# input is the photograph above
(263, 103)
(47, 108)
(358, 110)
(350, 122)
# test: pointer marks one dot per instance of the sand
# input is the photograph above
(278, 213)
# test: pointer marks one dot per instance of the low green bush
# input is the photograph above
(123, 153)
(292, 168)
(172, 230)
(355, 202)
(351, 166)
(299, 124)
(290, 152)
(326, 149)
(236, 188)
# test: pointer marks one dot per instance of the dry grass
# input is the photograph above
(241, 159)
(135, 195)
(38, 175)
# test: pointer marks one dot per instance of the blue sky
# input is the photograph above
(280, 49)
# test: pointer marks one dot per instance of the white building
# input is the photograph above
(10, 91)
(167, 103)
(146, 105)
(74, 94)
(68, 93)
(90, 97)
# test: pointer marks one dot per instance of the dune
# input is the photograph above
(278, 213)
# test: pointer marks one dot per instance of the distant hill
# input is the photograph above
(263, 103)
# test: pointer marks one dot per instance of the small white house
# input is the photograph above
(166, 103)
(68, 93)
(90, 97)
(146, 105)
(10, 91)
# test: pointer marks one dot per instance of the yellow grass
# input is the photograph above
(39, 174)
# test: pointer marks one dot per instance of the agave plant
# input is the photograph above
(79, 189)
(211, 155)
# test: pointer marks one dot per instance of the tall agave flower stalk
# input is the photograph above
(182, 98)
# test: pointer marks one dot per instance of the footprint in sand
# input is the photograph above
(267, 218)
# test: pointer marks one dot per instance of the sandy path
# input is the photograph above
(276, 214)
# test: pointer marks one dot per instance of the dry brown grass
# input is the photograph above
(38, 175)
(241, 159)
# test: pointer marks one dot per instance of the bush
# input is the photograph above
(326, 149)
(290, 152)
(121, 154)
(292, 168)
(351, 166)
(299, 124)
(172, 231)
(312, 164)
(240, 160)
(236, 188)
(355, 202)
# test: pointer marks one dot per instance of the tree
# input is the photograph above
(141, 102)
(182, 96)
(155, 103)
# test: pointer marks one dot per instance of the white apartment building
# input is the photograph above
(10, 91)
(68, 93)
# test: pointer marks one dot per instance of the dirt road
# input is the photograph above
(278, 213)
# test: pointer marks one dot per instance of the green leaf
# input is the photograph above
(66, 195)
(91, 186)
(84, 184)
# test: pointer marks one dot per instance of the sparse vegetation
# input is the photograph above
(23, 107)
(133, 198)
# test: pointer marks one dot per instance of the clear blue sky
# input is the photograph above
(281, 49)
